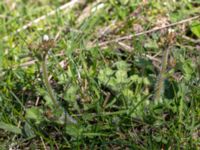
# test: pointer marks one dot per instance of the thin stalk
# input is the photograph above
(51, 93)
(160, 82)
(46, 82)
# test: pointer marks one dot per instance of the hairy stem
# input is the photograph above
(50, 91)
(160, 82)
(47, 84)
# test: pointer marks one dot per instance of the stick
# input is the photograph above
(128, 37)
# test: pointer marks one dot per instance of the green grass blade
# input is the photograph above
(10, 128)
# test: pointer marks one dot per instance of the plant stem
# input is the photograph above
(160, 82)
(46, 82)
(50, 91)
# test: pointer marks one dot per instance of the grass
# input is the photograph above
(112, 89)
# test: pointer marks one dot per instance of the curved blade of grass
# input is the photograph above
(10, 128)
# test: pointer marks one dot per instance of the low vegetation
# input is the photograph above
(100, 74)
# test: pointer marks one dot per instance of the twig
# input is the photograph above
(45, 148)
(126, 47)
(128, 37)
(153, 58)
(37, 101)
(26, 64)
(65, 6)
(191, 40)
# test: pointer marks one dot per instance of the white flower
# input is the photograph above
(45, 37)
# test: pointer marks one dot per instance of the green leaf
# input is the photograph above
(28, 131)
(34, 113)
(62, 78)
(10, 128)
(121, 76)
(71, 94)
(122, 65)
(195, 28)
(136, 79)
(151, 45)
(105, 75)
(73, 130)
(128, 94)
(188, 70)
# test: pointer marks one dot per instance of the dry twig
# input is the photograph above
(128, 37)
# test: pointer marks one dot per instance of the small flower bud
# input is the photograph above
(45, 37)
